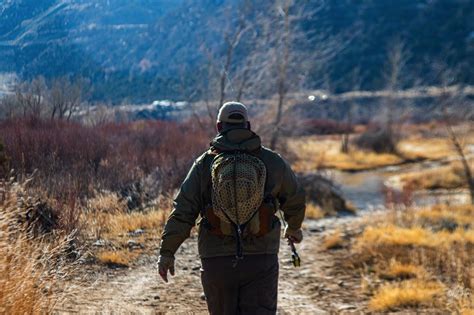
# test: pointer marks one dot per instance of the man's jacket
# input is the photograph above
(195, 194)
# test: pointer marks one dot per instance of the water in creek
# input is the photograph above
(365, 190)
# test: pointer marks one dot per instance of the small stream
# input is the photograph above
(365, 189)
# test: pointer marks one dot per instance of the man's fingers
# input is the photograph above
(295, 240)
(172, 270)
(163, 273)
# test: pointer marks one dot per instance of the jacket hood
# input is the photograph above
(237, 139)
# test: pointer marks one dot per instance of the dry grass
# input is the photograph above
(116, 258)
(391, 235)
(447, 177)
(99, 211)
(107, 218)
(116, 228)
(107, 203)
(313, 211)
(434, 247)
(456, 215)
(315, 152)
(465, 305)
(29, 266)
(399, 270)
(129, 222)
(334, 240)
(407, 293)
(422, 148)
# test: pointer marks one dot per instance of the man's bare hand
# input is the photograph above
(165, 264)
(296, 236)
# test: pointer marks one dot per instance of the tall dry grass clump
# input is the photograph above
(30, 267)
(121, 236)
(420, 258)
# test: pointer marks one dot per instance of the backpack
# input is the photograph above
(239, 205)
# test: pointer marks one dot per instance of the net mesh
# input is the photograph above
(238, 183)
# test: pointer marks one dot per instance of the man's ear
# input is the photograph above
(219, 126)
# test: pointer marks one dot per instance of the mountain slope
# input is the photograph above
(145, 49)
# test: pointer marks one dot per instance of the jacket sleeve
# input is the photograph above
(187, 205)
(292, 198)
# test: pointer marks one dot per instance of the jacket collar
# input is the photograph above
(237, 139)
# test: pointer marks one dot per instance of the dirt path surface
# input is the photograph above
(320, 286)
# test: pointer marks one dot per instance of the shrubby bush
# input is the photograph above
(72, 160)
(324, 127)
(379, 140)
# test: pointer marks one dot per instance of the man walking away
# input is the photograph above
(235, 188)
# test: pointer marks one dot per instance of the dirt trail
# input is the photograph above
(319, 286)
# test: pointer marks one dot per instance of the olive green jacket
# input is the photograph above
(195, 194)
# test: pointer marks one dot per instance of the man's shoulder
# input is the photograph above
(206, 155)
(271, 157)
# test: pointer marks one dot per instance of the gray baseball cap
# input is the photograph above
(234, 109)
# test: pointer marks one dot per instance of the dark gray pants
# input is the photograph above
(249, 288)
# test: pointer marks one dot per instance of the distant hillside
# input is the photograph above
(143, 50)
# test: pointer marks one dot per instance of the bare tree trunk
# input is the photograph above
(460, 151)
(397, 59)
(282, 75)
(231, 45)
(224, 74)
(347, 131)
(243, 83)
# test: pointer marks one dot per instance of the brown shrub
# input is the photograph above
(324, 127)
(72, 160)
(378, 140)
(138, 161)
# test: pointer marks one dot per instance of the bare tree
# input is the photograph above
(282, 70)
(274, 56)
(356, 83)
(285, 53)
(458, 146)
(244, 79)
(65, 97)
(397, 57)
(447, 77)
(8, 106)
(30, 97)
(232, 40)
(100, 115)
(59, 100)
(231, 25)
